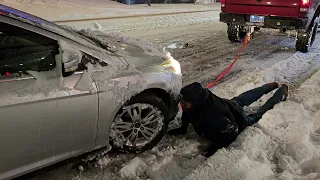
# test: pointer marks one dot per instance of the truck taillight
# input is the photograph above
(223, 3)
(304, 5)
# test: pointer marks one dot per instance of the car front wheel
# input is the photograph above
(140, 124)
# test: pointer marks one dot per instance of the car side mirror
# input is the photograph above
(70, 60)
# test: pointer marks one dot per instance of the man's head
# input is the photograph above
(192, 94)
(185, 104)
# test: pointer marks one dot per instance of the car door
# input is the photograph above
(43, 117)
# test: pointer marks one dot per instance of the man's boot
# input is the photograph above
(285, 88)
(275, 84)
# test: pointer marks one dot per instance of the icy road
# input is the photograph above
(284, 145)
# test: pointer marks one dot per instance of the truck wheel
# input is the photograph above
(236, 33)
(305, 39)
(140, 124)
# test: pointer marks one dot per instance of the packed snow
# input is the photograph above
(280, 146)
(283, 145)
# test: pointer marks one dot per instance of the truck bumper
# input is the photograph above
(273, 22)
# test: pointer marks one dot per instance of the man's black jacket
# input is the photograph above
(219, 120)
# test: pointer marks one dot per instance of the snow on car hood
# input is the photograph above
(134, 51)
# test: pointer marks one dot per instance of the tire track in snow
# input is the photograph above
(213, 59)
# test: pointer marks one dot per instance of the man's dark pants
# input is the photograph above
(249, 97)
(246, 99)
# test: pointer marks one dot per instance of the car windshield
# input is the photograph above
(44, 24)
(74, 33)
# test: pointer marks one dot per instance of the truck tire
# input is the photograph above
(305, 39)
(236, 33)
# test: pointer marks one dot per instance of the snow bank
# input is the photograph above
(133, 169)
(238, 166)
(288, 71)
(285, 143)
(166, 164)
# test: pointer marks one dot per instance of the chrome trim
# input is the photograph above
(16, 79)
(27, 78)
(78, 72)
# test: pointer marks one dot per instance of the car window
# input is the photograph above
(22, 50)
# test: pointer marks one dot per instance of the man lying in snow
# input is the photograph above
(221, 120)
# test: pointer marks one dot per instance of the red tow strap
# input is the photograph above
(223, 73)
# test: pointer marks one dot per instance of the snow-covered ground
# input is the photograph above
(283, 145)
(285, 142)
(146, 23)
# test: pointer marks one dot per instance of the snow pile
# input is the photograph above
(133, 169)
(287, 71)
(280, 146)
(174, 163)
(284, 144)
(239, 166)
(166, 164)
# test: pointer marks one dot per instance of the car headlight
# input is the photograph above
(173, 65)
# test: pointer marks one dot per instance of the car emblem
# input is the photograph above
(259, 1)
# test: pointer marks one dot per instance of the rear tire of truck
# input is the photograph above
(305, 39)
(236, 33)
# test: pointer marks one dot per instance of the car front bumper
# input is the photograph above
(174, 89)
(173, 106)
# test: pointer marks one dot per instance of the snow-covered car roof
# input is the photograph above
(46, 25)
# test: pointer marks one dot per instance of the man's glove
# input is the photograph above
(178, 131)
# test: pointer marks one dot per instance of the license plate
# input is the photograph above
(256, 19)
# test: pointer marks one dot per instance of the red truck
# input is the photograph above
(299, 15)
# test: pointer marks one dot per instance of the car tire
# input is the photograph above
(236, 33)
(318, 29)
(305, 39)
(153, 102)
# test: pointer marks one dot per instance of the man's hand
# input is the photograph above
(210, 150)
(178, 131)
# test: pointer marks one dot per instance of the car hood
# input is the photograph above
(138, 53)
(134, 51)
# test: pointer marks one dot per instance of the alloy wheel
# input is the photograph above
(136, 125)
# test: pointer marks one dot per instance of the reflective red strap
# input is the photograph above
(223, 73)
